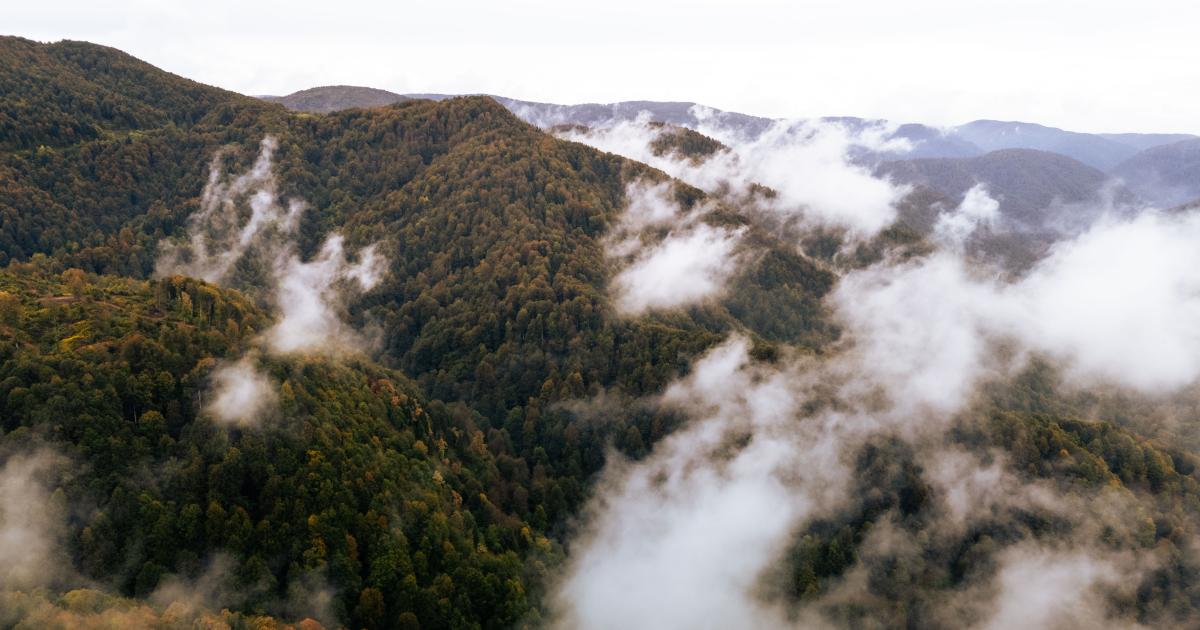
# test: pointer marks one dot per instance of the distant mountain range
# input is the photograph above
(1102, 151)
(1038, 189)
(1166, 175)
(1161, 169)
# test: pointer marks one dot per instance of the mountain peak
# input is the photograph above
(330, 98)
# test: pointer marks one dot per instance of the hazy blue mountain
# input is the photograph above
(1143, 141)
(1166, 175)
(931, 142)
(1036, 189)
(1099, 151)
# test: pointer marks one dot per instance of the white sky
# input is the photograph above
(1098, 65)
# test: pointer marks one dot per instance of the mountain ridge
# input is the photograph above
(1099, 150)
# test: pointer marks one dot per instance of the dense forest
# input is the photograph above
(432, 479)
(493, 306)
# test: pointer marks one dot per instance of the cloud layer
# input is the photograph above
(691, 536)
(806, 163)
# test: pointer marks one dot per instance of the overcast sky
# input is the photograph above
(1096, 65)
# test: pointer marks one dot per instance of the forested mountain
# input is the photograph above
(69, 92)
(434, 473)
(332, 98)
(360, 483)
(493, 303)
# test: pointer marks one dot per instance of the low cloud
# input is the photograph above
(973, 491)
(196, 598)
(241, 393)
(977, 210)
(1119, 304)
(218, 236)
(307, 301)
(690, 536)
(185, 598)
(918, 332)
(32, 521)
(200, 602)
(680, 540)
(244, 219)
(806, 163)
(687, 267)
(648, 205)
(1038, 587)
(692, 263)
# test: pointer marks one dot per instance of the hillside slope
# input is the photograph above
(67, 92)
(355, 479)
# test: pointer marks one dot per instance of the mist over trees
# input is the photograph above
(426, 365)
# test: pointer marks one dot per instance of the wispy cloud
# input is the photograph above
(244, 220)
